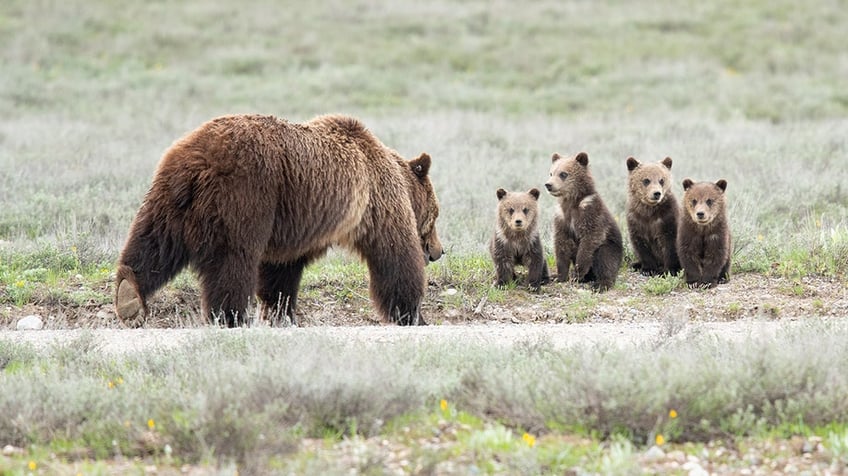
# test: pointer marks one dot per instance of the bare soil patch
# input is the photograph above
(746, 296)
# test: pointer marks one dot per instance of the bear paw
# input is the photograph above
(128, 305)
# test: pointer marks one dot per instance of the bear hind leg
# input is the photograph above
(605, 265)
(228, 282)
(278, 287)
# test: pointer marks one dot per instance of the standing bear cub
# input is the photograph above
(516, 240)
(703, 236)
(652, 215)
(585, 233)
(249, 201)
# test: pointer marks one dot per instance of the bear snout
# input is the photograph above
(657, 195)
(700, 215)
(432, 253)
(519, 223)
(548, 186)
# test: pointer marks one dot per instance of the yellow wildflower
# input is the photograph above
(443, 404)
(660, 439)
(672, 413)
(151, 424)
(529, 439)
(32, 465)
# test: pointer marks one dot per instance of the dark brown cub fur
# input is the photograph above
(703, 236)
(585, 232)
(516, 240)
(652, 215)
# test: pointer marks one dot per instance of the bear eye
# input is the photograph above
(563, 175)
(709, 202)
(694, 202)
(662, 182)
(646, 182)
(511, 211)
(524, 211)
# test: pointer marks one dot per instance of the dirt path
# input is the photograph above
(750, 304)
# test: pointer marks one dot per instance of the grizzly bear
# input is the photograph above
(516, 240)
(248, 201)
(585, 233)
(652, 214)
(703, 236)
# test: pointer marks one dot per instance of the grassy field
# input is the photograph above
(92, 93)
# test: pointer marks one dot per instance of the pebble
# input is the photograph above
(10, 450)
(654, 453)
(695, 469)
(30, 323)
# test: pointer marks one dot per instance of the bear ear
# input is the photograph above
(501, 193)
(555, 157)
(421, 165)
(667, 162)
(722, 184)
(582, 159)
(632, 164)
(687, 183)
(534, 192)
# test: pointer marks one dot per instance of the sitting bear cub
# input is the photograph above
(516, 240)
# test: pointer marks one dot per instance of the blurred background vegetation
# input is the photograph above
(92, 93)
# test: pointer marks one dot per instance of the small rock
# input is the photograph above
(654, 453)
(695, 469)
(449, 292)
(30, 323)
(10, 450)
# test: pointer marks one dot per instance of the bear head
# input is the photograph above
(425, 206)
(704, 201)
(649, 183)
(570, 178)
(518, 211)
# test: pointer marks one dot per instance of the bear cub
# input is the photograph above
(652, 216)
(585, 233)
(516, 240)
(703, 235)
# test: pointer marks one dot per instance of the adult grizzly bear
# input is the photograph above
(248, 201)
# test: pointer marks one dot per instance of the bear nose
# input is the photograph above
(700, 215)
(548, 186)
(657, 195)
(519, 222)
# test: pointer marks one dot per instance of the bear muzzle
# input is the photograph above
(432, 252)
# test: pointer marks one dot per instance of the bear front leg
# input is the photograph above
(278, 287)
(586, 250)
(397, 279)
(647, 264)
(504, 263)
(537, 268)
(564, 252)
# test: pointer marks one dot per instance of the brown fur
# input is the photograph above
(703, 236)
(585, 233)
(516, 240)
(248, 201)
(652, 215)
